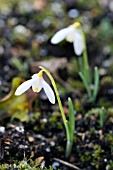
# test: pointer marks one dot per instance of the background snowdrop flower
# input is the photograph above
(72, 34)
(37, 83)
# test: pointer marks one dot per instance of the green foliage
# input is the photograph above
(98, 151)
(35, 116)
(67, 124)
(86, 79)
(71, 127)
(54, 120)
(86, 157)
(71, 118)
(76, 84)
(89, 3)
(21, 66)
(105, 34)
(3, 167)
(105, 30)
(100, 112)
(97, 156)
(17, 4)
(110, 165)
(85, 73)
(109, 137)
(24, 165)
(96, 83)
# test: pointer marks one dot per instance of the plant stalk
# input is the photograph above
(68, 144)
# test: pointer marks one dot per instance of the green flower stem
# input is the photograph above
(85, 56)
(85, 60)
(61, 109)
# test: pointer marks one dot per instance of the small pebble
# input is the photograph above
(23, 146)
(6, 147)
(55, 165)
(20, 129)
(2, 129)
(48, 149)
(20, 29)
(31, 139)
(73, 13)
(43, 143)
(52, 143)
(105, 160)
(44, 120)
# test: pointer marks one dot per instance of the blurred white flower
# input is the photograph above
(73, 34)
(37, 83)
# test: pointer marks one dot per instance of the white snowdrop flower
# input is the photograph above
(73, 34)
(37, 83)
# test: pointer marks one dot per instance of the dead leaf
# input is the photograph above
(53, 65)
(17, 106)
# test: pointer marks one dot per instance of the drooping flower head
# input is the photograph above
(37, 83)
(73, 34)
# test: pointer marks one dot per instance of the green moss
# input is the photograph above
(109, 137)
(24, 165)
(110, 166)
(3, 167)
(98, 151)
(106, 80)
(77, 105)
(97, 156)
(92, 131)
(34, 117)
(86, 157)
(73, 66)
(110, 111)
(104, 103)
(94, 111)
(54, 120)
(76, 84)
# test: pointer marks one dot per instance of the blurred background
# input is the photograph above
(26, 28)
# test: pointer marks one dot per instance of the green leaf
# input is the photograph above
(86, 85)
(96, 83)
(71, 118)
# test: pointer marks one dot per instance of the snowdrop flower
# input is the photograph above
(37, 83)
(72, 34)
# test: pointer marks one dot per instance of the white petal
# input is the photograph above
(37, 84)
(34, 76)
(59, 36)
(49, 92)
(78, 43)
(23, 87)
(71, 34)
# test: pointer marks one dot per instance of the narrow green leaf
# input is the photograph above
(86, 85)
(96, 83)
(71, 118)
